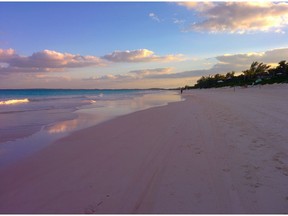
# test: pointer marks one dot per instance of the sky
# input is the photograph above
(135, 44)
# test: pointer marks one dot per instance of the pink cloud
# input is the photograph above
(45, 61)
(5, 55)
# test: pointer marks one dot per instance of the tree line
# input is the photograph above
(258, 73)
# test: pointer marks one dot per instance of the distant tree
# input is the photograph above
(247, 75)
(218, 77)
(257, 70)
(261, 69)
(282, 67)
(201, 83)
(230, 75)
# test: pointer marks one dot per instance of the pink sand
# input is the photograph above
(219, 151)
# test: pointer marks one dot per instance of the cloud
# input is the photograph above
(239, 17)
(133, 75)
(110, 77)
(6, 54)
(150, 73)
(44, 61)
(106, 77)
(178, 21)
(153, 16)
(189, 74)
(268, 57)
(140, 55)
(48, 78)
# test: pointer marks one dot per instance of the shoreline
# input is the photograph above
(218, 151)
(20, 142)
(25, 112)
(37, 114)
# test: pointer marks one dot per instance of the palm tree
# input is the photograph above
(282, 67)
(256, 69)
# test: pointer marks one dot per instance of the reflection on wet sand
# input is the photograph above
(63, 126)
(83, 120)
(104, 110)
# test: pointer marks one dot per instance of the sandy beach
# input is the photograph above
(219, 151)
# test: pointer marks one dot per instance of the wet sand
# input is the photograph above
(219, 151)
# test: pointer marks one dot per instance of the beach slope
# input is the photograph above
(219, 151)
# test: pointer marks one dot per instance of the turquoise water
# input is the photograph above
(6, 94)
(40, 99)
(60, 95)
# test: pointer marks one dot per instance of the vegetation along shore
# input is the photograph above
(258, 73)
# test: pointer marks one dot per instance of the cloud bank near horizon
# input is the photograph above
(234, 62)
(134, 75)
(239, 17)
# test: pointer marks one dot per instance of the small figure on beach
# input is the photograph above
(181, 89)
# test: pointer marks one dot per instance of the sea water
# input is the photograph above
(24, 111)
(31, 119)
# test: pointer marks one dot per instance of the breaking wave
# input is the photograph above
(14, 101)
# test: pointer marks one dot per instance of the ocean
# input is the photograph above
(31, 119)
(9, 96)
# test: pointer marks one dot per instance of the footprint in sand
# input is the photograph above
(226, 170)
(198, 151)
(282, 162)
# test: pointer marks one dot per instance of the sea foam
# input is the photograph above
(14, 101)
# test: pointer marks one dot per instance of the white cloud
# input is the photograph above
(239, 17)
(154, 17)
(140, 55)
(178, 21)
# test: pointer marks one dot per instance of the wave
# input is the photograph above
(14, 101)
(53, 98)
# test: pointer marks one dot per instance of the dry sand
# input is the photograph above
(219, 151)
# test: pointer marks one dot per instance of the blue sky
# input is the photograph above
(87, 28)
(134, 44)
